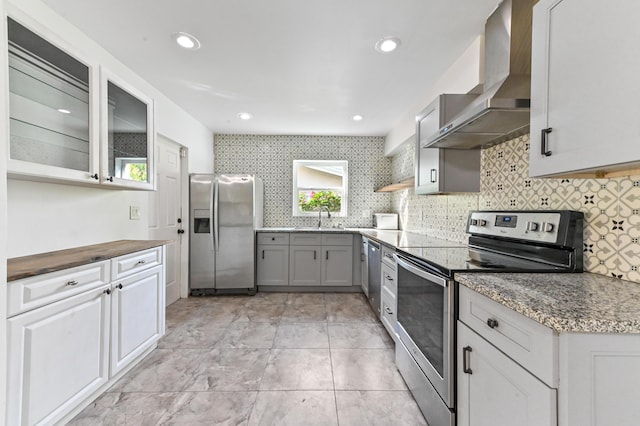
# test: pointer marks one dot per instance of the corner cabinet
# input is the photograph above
(71, 121)
(584, 88)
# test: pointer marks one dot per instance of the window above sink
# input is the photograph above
(320, 185)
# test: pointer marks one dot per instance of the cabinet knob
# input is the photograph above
(388, 311)
(119, 286)
(141, 262)
(109, 179)
(107, 291)
(180, 231)
(492, 323)
(94, 176)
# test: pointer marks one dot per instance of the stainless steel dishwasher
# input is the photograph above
(373, 267)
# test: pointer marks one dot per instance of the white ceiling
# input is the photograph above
(299, 66)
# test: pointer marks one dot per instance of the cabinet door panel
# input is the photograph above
(137, 316)
(58, 356)
(304, 265)
(498, 391)
(337, 265)
(584, 85)
(273, 265)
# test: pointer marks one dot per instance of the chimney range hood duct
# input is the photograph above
(501, 112)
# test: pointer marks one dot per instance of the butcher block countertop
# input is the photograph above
(566, 303)
(43, 263)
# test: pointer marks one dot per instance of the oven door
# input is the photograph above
(425, 323)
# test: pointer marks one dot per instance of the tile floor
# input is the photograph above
(271, 359)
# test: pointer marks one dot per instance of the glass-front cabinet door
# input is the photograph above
(51, 104)
(126, 134)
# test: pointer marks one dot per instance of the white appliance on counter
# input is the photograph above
(385, 220)
(224, 210)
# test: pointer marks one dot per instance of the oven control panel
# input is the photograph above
(524, 225)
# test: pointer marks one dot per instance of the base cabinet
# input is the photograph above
(304, 265)
(136, 316)
(58, 356)
(494, 390)
(77, 330)
(337, 265)
(272, 265)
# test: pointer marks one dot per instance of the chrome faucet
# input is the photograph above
(320, 215)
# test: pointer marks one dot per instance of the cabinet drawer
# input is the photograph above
(337, 239)
(132, 263)
(273, 238)
(388, 313)
(305, 239)
(387, 257)
(530, 344)
(30, 293)
(388, 279)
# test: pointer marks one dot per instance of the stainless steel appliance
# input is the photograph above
(224, 212)
(510, 241)
(373, 265)
(501, 112)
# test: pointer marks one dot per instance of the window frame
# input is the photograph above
(344, 164)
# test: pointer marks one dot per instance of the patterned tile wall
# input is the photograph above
(271, 158)
(611, 206)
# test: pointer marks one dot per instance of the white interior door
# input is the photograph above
(165, 211)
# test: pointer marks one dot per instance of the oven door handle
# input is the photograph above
(405, 263)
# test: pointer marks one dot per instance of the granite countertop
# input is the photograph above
(566, 303)
(42, 263)
(393, 238)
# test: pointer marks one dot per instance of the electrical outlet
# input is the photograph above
(134, 213)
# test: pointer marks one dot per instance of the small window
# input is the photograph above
(319, 185)
(131, 168)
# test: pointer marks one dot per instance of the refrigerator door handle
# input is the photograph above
(215, 211)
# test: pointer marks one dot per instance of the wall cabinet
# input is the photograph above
(583, 88)
(72, 122)
(443, 170)
(72, 332)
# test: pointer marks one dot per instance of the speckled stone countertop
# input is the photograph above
(392, 238)
(42, 263)
(566, 303)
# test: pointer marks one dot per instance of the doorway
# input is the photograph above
(165, 211)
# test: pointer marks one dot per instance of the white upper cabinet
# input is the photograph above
(52, 114)
(126, 134)
(70, 121)
(584, 88)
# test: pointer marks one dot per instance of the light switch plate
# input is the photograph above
(134, 212)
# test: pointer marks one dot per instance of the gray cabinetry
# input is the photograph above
(584, 109)
(337, 265)
(443, 170)
(304, 265)
(272, 259)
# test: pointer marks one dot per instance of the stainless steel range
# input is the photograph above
(500, 241)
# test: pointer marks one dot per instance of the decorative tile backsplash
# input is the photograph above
(611, 206)
(271, 158)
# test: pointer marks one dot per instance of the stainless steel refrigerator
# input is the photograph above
(224, 210)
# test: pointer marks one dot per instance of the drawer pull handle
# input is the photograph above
(141, 262)
(544, 142)
(74, 282)
(387, 310)
(314, 255)
(327, 256)
(388, 278)
(492, 323)
(466, 359)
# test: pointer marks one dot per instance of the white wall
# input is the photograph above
(4, 135)
(45, 217)
(463, 76)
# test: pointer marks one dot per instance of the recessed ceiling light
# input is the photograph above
(357, 117)
(187, 41)
(64, 111)
(387, 44)
(244, 116)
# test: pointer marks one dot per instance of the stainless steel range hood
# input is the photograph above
(501, 112)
